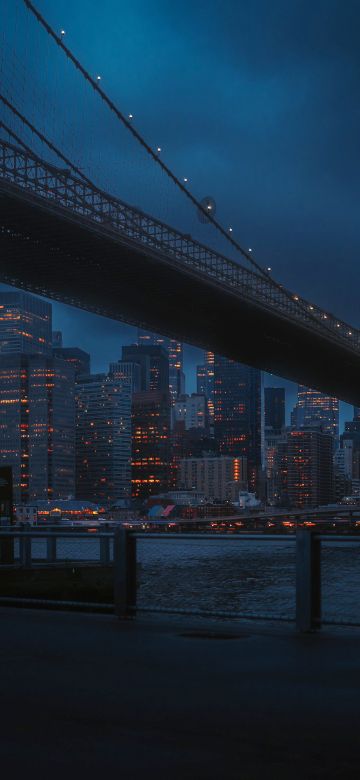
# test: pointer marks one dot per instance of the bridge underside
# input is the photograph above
(63, 256)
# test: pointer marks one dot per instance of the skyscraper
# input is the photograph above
(37, 426)
(150, 443)
(316, 409)
(309, 467)
(126, 370)
(238, 413)
(205, 382)
(154, 366)
(274, 408)
(76, 357)
(103, 439)
(174, 350)
(25, 324)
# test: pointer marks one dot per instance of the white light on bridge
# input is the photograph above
(185, 179)
(130, 116)
(158, 149)
(350, 333)
(311, 308)
(230, 229)
(250, 250)
(98, 78)
(62, 32)
(296, 297)
(268, 269)
(338, 324)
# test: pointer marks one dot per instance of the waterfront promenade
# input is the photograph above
(85, 694)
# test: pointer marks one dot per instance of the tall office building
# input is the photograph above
(103, 439)
(316, 409)
(205, 382)
(238, 413)
(154, 366)
(192, 411)
(274, 409)
(309, 467)
(25, 324)
(75, 357)
(127, 371)
(150, 443)
(275, 466)
(174, 350)
(37, 426)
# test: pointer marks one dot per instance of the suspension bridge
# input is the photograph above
(64, 237)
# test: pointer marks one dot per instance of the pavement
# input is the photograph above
(87, 694)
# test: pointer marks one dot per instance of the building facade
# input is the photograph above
(238, 420)
(309, 467)
(274, 404)
(154, 366)
(151, 431)
(37, 426)
(219, 479)
(315, 408)
(174, 351)
(103, 439)
(25, 324)
(205, 382)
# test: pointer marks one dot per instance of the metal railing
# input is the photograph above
(119, 550)
(60, 188)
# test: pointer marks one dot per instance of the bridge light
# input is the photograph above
(296, 297)
(185, 179)
(350, 333)
(230, 229)
(311, 308)
(130, 116)
(268, 269)
(62, 33)
(324, 316)
(98, 78)
(158, 149)
(250, 250)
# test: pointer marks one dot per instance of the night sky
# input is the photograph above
(258, 103)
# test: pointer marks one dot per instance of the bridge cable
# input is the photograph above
(120, 116)
(68, 162)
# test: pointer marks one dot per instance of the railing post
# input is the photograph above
(104, 550)
(25, 550)
(7, 549)
(308, 580)
(51, 544)
(124, 573)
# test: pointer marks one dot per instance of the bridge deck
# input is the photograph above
(85, 693)
(64, 240)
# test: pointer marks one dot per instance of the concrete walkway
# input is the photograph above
(86, 695)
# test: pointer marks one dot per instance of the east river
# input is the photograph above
(233, 574)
